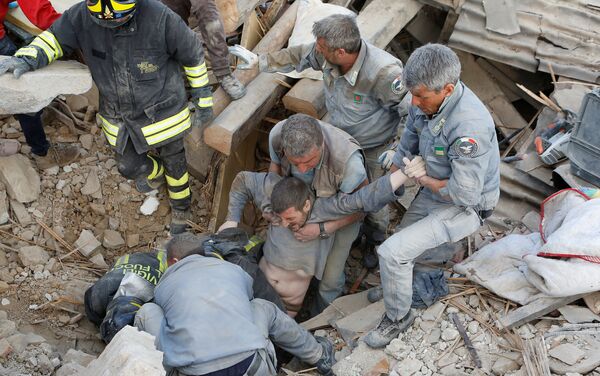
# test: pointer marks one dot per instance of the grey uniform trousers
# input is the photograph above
(426, 224)
(275, 325)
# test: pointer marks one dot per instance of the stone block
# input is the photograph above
(78, 357)
(87, 243)
(112, 239)
(7, 328)
(567, 353)
(360, 322)
(3, 207)
(32, 255)
(130, 353)
(35, 90)
(20, 178)
(20, 213)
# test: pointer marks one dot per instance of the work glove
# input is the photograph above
(14, 64)
(386, 158)
(414, 168)
(202, 100)
(249, 58)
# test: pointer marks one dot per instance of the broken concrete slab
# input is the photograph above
(112, 239)
(20, 178)
(35, 90)
(92, 185)
(408, 367)
(78, 357)
(589, 362)
(433, 312)
(87, 243)
(576, 314)
(567, 353)
(503, 365)
(341, 307)
(130, 353)
(362, 359)
(33, 255)
(98, 260)
(20, 213)
(360, 322)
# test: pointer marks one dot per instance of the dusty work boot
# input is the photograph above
(387, 330)
(327, 359)
(57, 155)
(179, 220)
(9, 147)
(145, 185)
(232, 86)
(375, 294)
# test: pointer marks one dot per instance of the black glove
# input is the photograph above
(119, 313)
(14, 64)
(202, 100)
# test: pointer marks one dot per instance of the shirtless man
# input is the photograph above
(288, 204)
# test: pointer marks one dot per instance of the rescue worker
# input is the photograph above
(363, 94)
(213, 35)
(288, 203)
(41, 14)
(136, 51)
(454, 133)
(198, 293)
(330, 161)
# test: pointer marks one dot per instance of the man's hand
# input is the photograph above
(16, 65)
(202, 100)
(308, 232)
(415, 168)
(248, 57)
(386, 158)
(227, 224)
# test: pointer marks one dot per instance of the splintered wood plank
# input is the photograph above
(534, 310)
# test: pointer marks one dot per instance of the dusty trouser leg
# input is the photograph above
(181, 7)
(149, 318)
(172, 156)
(133, 165)
(375, 224)
(333, 280)
(213, 35)
(443, 223)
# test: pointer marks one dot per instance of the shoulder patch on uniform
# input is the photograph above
(466, 147)
(397, 85)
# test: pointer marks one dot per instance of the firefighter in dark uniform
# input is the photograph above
(136, 51)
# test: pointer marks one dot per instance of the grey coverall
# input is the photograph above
(204, 320)
(458, 144)
(211, 28)
(365, 102)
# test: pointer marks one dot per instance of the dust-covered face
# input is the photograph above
(293, 218)
(429, 101)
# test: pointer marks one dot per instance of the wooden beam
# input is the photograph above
(235, 12)
(535, 309)
(198, 152)
(232, 126)
(379, 22)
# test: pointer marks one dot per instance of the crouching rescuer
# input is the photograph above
(136, 51)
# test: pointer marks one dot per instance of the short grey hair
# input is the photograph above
(289, 192)
(300, 134)
(433, 66)
(339, 31)
(185, 244)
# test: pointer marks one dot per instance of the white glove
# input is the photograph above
(386, 158)
(248, 57)
(414, 168)
(227, 224)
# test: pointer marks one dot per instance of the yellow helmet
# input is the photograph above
(111, 13)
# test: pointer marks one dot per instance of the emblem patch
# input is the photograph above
(466, 147)
(146, 67)
(358, 99)
(438, 151)
(397, 85)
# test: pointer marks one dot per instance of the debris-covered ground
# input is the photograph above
(43, 275)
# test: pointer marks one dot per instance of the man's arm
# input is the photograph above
(39, 12)
(409, 143)
(389, 89)
(247, 185)
(296, 58)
